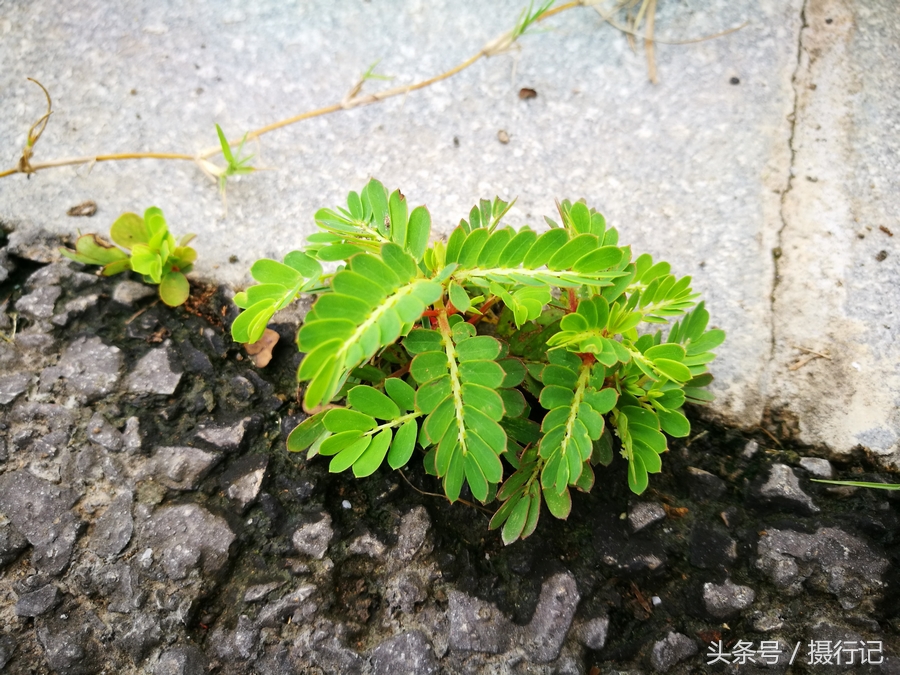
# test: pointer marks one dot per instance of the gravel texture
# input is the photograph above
(171, 533)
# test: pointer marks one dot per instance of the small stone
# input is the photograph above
(643, 514)
(260, 591)
(229, 438)
(187, 660)
(182, 468)
(140, 637)
(89, 368)
(186, 537)
(101, 432)
(552, 618)
(703, 485)
(313, 538)
(73, 308)
(593, 633)
(41, 511)
(366, 544)
(12, 543)
(818, 467)
(830, 560)
(782, 490)
(725, 600)
(414, 527)
(675, 648)
(750, 449)
(12, 386)
(132, 436)
(129, 292)
(113, 529)
(244, 478)
(237, 645)
(39, 303)
(153, 374)
(406, 589)
(409, 653)
(476, 625)
(60, 274)
(298, 601)
(38, 602)
(70, 641)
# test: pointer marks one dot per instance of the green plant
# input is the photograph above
(150, 250)
(499, 353)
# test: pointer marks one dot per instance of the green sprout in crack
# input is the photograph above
(149, 249)
(237, 165)
(513, 363)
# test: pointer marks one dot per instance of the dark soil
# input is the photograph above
(648, 582)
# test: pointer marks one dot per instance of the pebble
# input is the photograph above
(113, 529)
(101, 432)
(39, 304)
(476, 625)
(366, 544)
(11, 386)
(154, 374)
(38, 602)
(41, 511)
(414, 528)
(409, 653)
(187, 537)
(181, 468)
(674, 649)
(782, 490)
(818, 467)
(313, 538)
(593, 633)
(728, 599)
(850, 569)
(244, 478)
(90, 369)
(129, 292)
(232, 437)
(552, 618)
(644, 514)
(184, 660)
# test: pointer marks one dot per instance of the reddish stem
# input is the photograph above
(481, 310)
(400, 372)
(573, 304)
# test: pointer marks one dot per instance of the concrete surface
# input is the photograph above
(708, 174)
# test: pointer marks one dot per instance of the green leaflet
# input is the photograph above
(152, 252)
(403, 300)
(397, 344)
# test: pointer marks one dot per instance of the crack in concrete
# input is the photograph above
(777, 251)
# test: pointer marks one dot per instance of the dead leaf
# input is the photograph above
(260, 352)
(87, 209)
(675, 511)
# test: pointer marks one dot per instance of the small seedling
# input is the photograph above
(516, 361)
(150, 250)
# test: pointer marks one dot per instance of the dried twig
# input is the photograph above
(811, 356)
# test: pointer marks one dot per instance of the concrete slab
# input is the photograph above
(695, 169)
(839, 274)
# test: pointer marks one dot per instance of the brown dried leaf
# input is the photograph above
(260, 352)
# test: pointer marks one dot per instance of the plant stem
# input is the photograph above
(354, 101)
